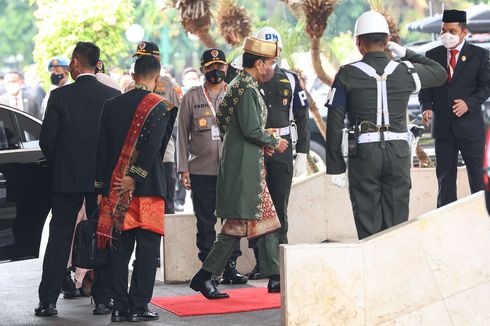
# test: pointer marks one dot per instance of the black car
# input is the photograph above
(24, 185)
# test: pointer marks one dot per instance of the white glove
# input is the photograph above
(340, 180)
(299, 164)
(396, 49)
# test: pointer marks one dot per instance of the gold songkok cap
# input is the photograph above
(260, 47)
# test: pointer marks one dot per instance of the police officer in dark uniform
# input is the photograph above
(288, 115)
(374, 93)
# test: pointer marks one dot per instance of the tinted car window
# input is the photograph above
(8, 136)
(29, 131)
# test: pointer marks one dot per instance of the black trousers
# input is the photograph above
(143, 277)
(170, 179)
(279, 177)
(61, 228)
(447, 165)
(203, 194)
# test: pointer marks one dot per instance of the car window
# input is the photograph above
(8, 136)
(29, 131)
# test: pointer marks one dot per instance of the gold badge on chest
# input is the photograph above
(285, 92)
(203, 122)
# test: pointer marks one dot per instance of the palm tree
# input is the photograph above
(195, 17)
(233, 22)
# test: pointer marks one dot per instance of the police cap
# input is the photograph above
(58, 62)
(211, 56)
(147, 48)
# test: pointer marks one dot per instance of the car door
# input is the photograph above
(24, 186)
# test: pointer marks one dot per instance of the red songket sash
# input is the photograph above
(114, 207)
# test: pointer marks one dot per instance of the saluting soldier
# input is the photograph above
(374, 93)
(287, 113)
(199, 147)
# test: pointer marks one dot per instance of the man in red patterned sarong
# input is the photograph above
(134, 131)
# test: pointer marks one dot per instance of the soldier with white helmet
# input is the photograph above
(287, 113)
(373, 93)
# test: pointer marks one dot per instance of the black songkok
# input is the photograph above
(454, 16)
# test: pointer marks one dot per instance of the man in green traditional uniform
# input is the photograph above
(287, 113)
(374, 93)
(243, 199)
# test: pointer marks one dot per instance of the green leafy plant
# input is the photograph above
(62, 23)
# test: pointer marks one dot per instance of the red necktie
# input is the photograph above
(452, 62)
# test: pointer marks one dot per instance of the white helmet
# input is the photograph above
(371, 22)
(237, 62)
(269, 34)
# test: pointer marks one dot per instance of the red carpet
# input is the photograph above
(240, 300)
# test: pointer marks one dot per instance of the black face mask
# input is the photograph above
(215, 76)
(56, 79)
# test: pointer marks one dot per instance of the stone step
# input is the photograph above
(431, 270)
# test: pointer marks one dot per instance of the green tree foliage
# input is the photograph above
(62, 23)
(16, 31)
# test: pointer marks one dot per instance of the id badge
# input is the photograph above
(215, 133)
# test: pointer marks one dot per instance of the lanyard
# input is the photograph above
(208, 99)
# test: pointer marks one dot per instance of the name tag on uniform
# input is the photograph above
(215, 133)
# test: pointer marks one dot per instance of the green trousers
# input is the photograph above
(224, 245)
(379, 186)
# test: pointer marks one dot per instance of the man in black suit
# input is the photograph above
(141, 173)
(69, 143)
(17, 97)
(455, 107)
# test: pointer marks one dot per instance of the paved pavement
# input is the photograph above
(18, 297)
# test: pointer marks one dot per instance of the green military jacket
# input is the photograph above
(241, 118)
(354, 94)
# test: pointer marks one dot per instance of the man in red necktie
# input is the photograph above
(455, 107)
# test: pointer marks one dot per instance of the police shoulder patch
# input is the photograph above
(337, 97)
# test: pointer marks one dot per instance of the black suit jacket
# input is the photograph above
(30, 103)
(470, 82)
(69, 133)
(114, 125)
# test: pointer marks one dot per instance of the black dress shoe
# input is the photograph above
(103, 309)
(274, 286)
(216, 280)
(231, 275)
(207, 288)
(255, 274)
(143, 316)
(46, 310)
(68, 287)
(119, 315)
